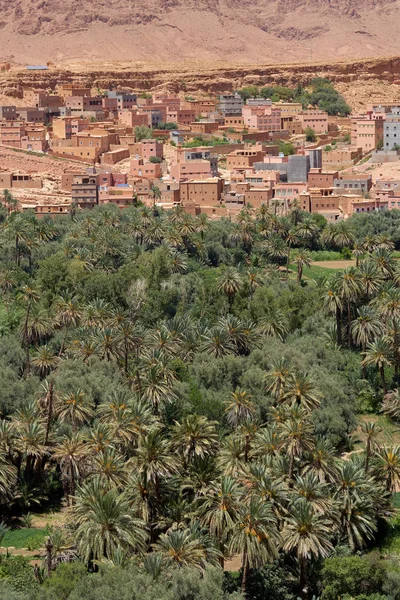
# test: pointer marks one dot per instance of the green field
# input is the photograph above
(20, 538)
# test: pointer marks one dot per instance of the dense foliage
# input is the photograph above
(188, 392)
(320, 93)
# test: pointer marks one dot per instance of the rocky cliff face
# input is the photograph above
(360, 81)
(235, 30)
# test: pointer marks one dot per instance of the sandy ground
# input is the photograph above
(334, 264)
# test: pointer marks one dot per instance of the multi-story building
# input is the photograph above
(262, 118)
(8, 113)
(353, 184)
(84, 190)
(316, 119)
(367, 133)
(391, 133)
(230, 104)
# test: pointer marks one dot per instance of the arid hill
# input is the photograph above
(238, 31)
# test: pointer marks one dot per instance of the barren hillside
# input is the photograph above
(241, 31)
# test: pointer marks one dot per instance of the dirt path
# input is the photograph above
(334, 264)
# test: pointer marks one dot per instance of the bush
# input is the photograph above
(155, 159)
(310, 134)
(352, 575)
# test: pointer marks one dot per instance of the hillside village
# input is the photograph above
(211, 155)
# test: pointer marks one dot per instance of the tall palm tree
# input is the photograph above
(29, 296)
(391, 404)
(388, 466)
(104, 522)
(239, 407)
(195, 436)
(301, 391)
(75, 408)
(45, 361)
(388, 304)
(277, 378)
(349, 288)
(366, 328)
(255, 536)
(68, 313)
(296, 434)
(179, 548)
(371, 432)
(333, 304)
(219, 510)
(378, 354)
(229, 282)
(303, 259)
(306, 533)
(71, 453)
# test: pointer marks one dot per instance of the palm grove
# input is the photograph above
(188, 394)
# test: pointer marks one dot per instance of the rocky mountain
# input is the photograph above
(240, 31)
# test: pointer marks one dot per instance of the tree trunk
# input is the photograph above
(382, 374)
(367, 456)
(291, 468)
(222, 550)
(28, 364)
(245, 570)
(50, 399)
(49, 556)
(288, 262)
(302, 579)
(338, 326)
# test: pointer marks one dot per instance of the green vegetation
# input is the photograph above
(310, 134)
(200, 141)
(319, 93)
(287, 148)
(21, 538)
(155, 159)
(143, 133)
(199, 395)
(168, 126)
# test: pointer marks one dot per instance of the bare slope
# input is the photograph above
(242, 31)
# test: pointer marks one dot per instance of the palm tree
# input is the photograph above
(277, 378)
(296, 435)
(303, 259)
(229, 282)
(292, 239)
(195, 436)
(217, 342)
(378, 354)
(9, 201)
(349, 288)
(388, 304)
(104, 522)
(358, 251)
(253, 280)
(388, 466)
(366, 328)
(333, 304)
(154, 459)
(371, 432)
(307, 534)
(45, 361)
(255, 536)
(18, 228)
(71, 454)
(29, 295)
(301, 391)
(274, 324)
(179, 548)
(8, 478)
(75, 408)
(219, 510)
(391, 404)
(68, 313)
(239, 408)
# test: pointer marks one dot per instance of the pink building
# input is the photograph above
(182, 116)
(314, 118)
(145, 170)
(262, 118)
(193, 169)
(132, 118)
